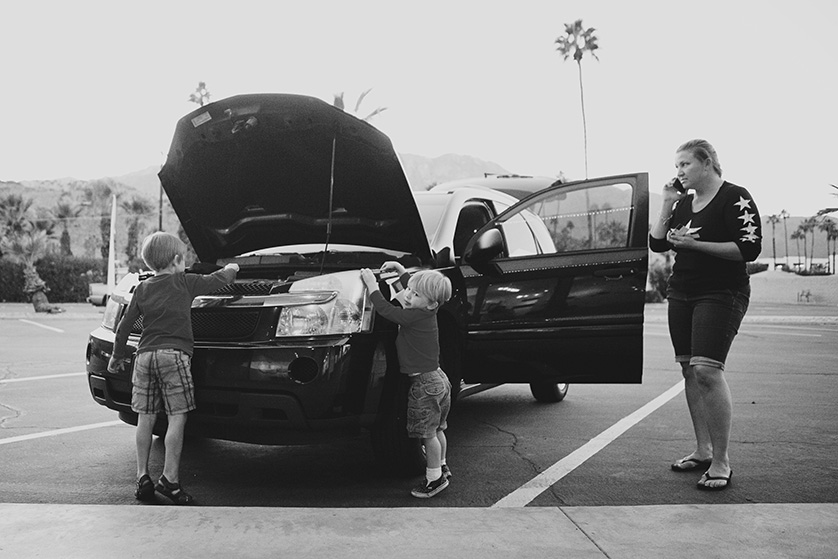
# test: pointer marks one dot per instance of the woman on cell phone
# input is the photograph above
(714, 228)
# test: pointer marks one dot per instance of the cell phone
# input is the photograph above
(678, 186)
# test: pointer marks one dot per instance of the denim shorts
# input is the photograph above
(428, 404)
(702, 326)
(162, 382)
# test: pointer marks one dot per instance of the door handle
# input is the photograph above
(613, 274)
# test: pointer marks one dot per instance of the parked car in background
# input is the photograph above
(548, 290)
(98, 294)
(519, 186)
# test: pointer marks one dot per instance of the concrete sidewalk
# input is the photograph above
(646, 532)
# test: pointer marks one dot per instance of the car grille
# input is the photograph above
(218, 324)
(247, 288)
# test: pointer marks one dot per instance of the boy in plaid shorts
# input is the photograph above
(417, 344)
(162, 379)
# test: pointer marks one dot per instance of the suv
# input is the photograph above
(547, 290)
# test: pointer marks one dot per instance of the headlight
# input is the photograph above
(111, 314)
(345, 310)
(302, 321)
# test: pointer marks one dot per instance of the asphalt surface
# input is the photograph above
(800, 530)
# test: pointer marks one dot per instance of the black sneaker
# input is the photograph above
(429, 488)
(446, 472)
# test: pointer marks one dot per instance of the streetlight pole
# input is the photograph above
(160, 210)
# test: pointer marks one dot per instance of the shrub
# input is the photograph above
(756, 267)
(660, 268)
(67, 278)
(11, 282)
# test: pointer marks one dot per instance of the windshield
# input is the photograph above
(431, 208)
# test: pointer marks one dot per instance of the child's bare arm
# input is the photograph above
(369, 280)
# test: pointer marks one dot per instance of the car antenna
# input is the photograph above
(331, 203)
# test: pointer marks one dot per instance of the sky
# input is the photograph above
(93, 89)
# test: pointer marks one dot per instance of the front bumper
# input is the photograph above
(254, 394)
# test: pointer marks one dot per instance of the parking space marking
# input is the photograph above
(543, 481)
(42, 377)
(56, 432)
(59, 330)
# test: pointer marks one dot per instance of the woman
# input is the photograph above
(714, 228)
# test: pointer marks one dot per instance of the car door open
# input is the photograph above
(556, 286)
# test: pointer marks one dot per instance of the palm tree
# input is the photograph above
(832, 235)
(576, 42)
(97, 194)
(16, 214)
(797, 235)
(825, 226)
(774, 220)
(137, 208)
(23, 242)
(809, 226)
(339, 103)
(65, 211)
(785, 215)
(201, 95)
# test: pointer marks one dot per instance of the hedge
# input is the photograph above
(66, 276)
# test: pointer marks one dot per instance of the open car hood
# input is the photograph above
(257, 171)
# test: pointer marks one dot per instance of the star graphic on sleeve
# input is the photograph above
(749, 238)
(743, 203)
(747, 217)
(750, 229)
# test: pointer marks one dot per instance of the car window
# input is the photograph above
(574, 219)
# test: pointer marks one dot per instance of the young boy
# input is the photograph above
(417, 344)
(162, 381)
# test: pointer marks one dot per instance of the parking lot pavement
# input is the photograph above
(648, 532)
(71, 310)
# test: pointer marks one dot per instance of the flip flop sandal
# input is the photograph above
(145, 489)
(174, 492)
(690, 464)
(702, 483)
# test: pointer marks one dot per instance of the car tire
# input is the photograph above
(548, 392)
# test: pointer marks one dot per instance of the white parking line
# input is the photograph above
(56, 432)
(42, 377)
(543, 481)
(42, 325)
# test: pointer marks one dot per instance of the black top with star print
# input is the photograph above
(731, 215)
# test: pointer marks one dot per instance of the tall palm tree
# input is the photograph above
(137, 208)
(65, 211)
(797, 235)
(576, 42)
(340, 104)
(832, 235)
(774, 220)
(784, 215)
(808, 226)
(825, 225)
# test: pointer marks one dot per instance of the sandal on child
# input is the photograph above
(173, 492)
(145, 489)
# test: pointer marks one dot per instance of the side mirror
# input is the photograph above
(482, 249)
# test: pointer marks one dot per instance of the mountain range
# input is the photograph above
(422, 173)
